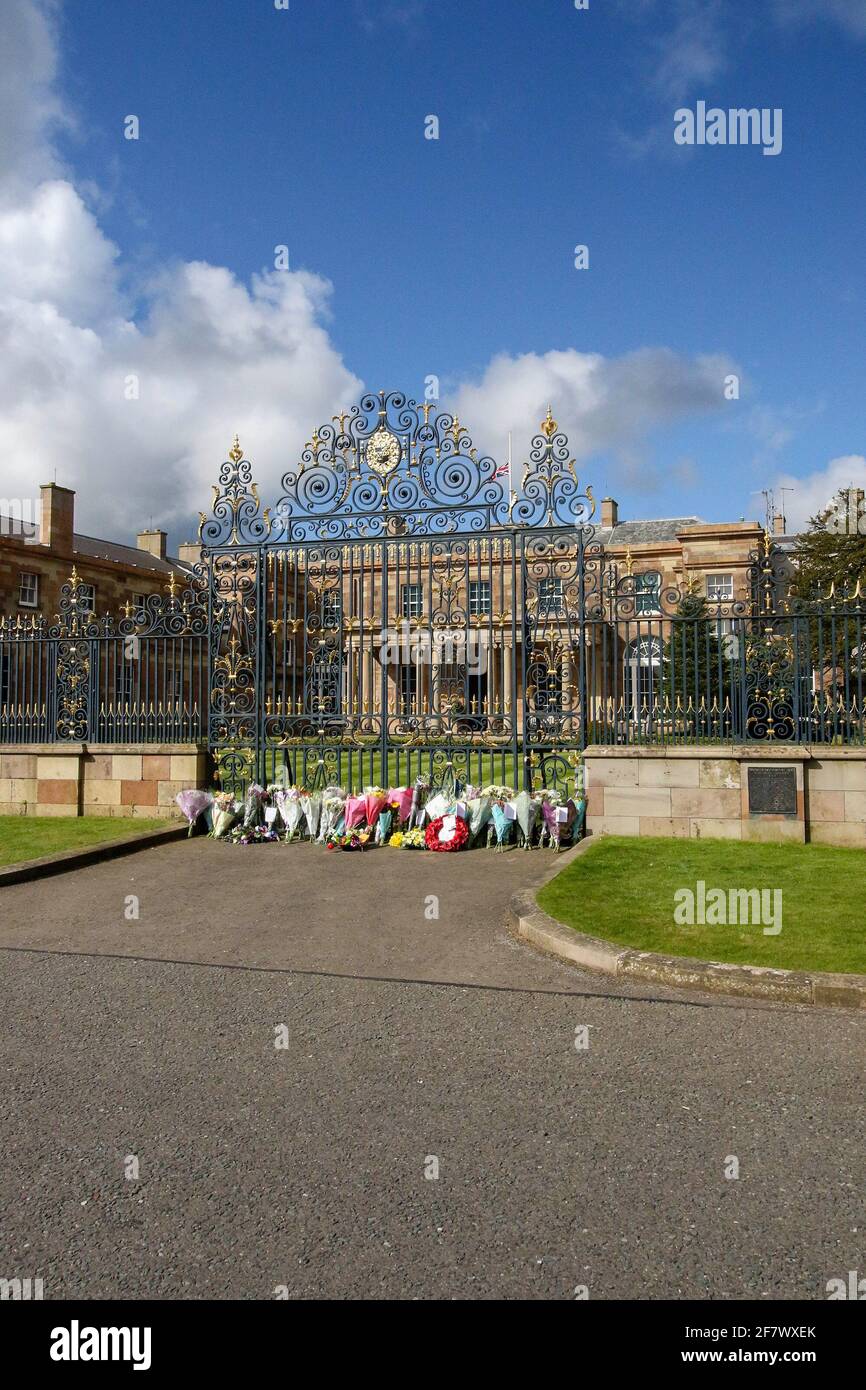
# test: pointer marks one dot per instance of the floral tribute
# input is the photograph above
(415, 817)
(413, 839)
(352, 839)
(195, 804)
(446, 833)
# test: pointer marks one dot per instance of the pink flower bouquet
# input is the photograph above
(375, 798)
(400, 798)
(193, 804)
(356, 811)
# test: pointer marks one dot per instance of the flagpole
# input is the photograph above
(510, 483)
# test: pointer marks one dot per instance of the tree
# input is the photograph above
(698, 667)
(831, 555)
(829, 579)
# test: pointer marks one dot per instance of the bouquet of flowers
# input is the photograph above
(384, 821)
(224, 815)
(528, 815)
(413, 839)
(500, 828)
(291, 810)
(580, 817)
(419, 796)
(353, 839)
(549, 802)
(479, 814)
(311, 806)
(356, 812)
(193, 803)
(254, 806)
(559, 826)
(400, 804)
(439, 804)
(396, 840)
(333, 803)
(375, 798)
(251, 835)
(446, 833)
(274, 789)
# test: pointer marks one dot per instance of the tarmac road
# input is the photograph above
(413, 1045)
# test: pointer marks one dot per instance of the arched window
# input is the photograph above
(643, 676)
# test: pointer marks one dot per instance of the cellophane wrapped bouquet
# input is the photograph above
(375, 801)
(193, 804)
(333, 809)
(420, 792)
(500, 828)
(311, 808)
(254, 806)
(225, 813)
(528, 810)
(291, 810)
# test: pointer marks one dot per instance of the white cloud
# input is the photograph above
(602, 403)
(693, 52)
(683, 49)
(30, 110)
(809, 496)
(211, 354)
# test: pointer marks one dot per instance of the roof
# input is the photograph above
(96, 549)
(646, 532)
(124, 554)
(11, 526)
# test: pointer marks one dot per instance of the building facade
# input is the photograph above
(37, 558)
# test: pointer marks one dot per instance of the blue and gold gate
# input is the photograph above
(401, 610)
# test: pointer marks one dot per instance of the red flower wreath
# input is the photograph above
(456, 840)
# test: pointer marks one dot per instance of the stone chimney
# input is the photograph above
(189, 552)
(153, 542)
(58, 517)
(780, 524)
(609, 512)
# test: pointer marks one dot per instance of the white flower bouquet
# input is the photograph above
(291, 810)
(333, 808)
(311, 806)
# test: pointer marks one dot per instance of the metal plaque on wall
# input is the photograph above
(772, 791)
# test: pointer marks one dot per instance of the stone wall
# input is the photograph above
(79, 779)
(705, 792)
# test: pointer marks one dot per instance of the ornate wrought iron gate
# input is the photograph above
(399, 612)
(402, 611)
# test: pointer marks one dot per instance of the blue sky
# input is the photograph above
(413, 256)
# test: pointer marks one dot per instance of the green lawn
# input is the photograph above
(623, 889)
(354, 770)
(32, 837)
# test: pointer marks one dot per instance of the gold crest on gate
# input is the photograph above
(383, 451)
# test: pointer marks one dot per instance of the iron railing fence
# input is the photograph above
(140, 679)
(367, 684)
(401, 614)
